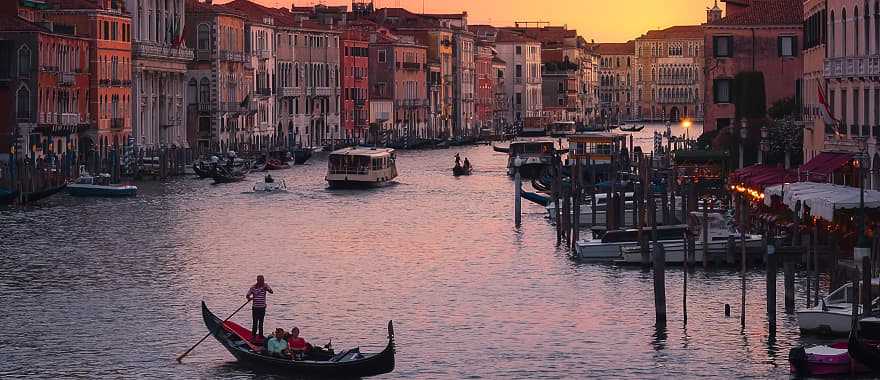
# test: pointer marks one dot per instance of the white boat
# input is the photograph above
(359, 167)
(99, 186)
(586, 216)
(607, 248)
(833, 315)
(270, 187)
(720, 229)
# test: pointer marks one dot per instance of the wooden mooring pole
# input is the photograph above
(771, 287)
(517, 204)
(788, 272)
(660, 284)
(742, 217)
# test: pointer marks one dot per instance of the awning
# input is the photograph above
(825, 163)
(822, 198)
(761, 176)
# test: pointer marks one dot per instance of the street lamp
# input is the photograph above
(863, 246)
(765, 145)
(686, 123)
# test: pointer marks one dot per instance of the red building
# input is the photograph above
(484, 86)
(107, 26)
(754, 36)
(355, 65)
(44, 85)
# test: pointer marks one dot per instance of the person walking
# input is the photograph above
(257, 293)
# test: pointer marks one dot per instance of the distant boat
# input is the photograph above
(270, 187)
(462, 170)
(224, 174)
(542, 200)
(500, 149)
(301, 155)
(632, 128)
(823, 360)
(99, 186)
(274, 164)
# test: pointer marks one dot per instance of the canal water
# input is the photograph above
(111, 287)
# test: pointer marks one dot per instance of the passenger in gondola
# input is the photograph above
(269, 178)
(457, 160)
(297, 345)
(467, 164)
(277, 346)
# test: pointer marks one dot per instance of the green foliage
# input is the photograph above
(749, 95)
(783, 108)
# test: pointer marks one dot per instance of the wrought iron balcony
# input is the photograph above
(262, 54)
(852, 67)
(232, 56)
(117, 123)
(414, 66)
(150, 50)
(66, 78)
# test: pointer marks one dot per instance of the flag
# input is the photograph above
(178, 34)
(246, 101)
(827, 115)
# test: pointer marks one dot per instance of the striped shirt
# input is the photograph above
(259, 295)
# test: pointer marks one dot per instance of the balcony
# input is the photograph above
(204, 107)
(116, 82)
(264, 91)
(412, 66)
(290, 91)
(149, 50)
(852, 67)
(262, 54)
(66, 79)
(117, 123)
(203, 55)
(236, 107)
(231, 56)
(412, 103)
(104, 82)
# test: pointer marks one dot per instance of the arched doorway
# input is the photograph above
(875, 172)
(674, 115)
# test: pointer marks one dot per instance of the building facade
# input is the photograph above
(44, 87)
(484, 87)
(355, 54)
(761, 36)
(616, 64)
(521, 76)
(669, 74)
(397, 74)
(107, 25)
(159, 58)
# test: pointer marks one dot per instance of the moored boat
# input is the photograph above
(274, 164)
(99, 186)
(500, 149)
(361, 167)
(864, 342)
(823, 360)
(301, 155)
(462, 170)
(349, 363)
(531, 155)
(7, 196)
(833, 315)
(225, 174)
(631, 128)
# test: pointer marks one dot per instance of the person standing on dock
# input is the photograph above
(257, 293)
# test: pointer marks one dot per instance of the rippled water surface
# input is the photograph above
(111, 287)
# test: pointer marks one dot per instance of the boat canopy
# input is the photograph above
(822, 198)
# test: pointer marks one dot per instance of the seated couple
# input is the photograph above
(287, 345)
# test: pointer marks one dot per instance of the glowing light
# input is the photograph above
(686, 123)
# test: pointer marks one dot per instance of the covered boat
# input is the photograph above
(361, 167)
(631, 128)
(822, 360)
(99, 186)
(349, 363)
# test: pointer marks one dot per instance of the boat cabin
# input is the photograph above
(561, 128)
(674, 232)
(534, 148)
(598, 146)
(352, 166)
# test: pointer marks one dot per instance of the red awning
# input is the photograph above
(826, 163)
(760, 176)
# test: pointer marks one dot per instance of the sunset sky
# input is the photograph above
(602, 20)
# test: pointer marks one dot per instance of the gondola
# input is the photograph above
(203, 169)
(500, 149)
(274, 164)
(633, 128)
(228, 175)
(864, 345)
(535, 197)
(348, 363)
(462, 170)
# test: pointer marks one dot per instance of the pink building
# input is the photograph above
(755, 35)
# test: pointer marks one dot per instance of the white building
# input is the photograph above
(260, 45)
(522, 74)
(159, 58)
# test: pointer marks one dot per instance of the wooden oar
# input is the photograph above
(180, 358)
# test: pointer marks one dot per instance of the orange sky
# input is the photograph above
(602, 20)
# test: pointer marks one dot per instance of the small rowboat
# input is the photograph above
(823, 361)
(348, 363)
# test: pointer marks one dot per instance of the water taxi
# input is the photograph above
(533, 155)
(359, 167)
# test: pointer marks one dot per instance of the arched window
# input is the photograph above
(204, 91)
(192, 91)
(831, 39)
(204, 37)
(24, 61)
(867, 27)
(876, 27)
(856, 33)
(23, 103)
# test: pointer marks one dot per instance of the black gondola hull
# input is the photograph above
(370, 365)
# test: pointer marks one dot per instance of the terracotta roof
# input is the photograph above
(255, 12)
(682, 31)
(766, 12)
(199, 6)
(507, 36)
(617, 48)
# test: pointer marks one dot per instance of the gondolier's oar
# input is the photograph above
(183, 355)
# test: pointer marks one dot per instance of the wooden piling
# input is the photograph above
(771, 288)
(743, 258)
(576, 197)
(660, 284)
(813, 243)
(517, 208)
(866, 292)
(788, 272)
(808, 260)
(705, 233)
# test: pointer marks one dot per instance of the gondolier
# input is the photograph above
(257, 294)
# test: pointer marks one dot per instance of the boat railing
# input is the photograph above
(350, 171)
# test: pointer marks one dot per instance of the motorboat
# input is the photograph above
(530, 157)
(358, 167)
(720, 229)
(270, 186)
(99, 186)
(833, 314)
(823, 360)
(607, 248)
(586, 214)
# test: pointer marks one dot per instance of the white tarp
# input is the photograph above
(822, 198)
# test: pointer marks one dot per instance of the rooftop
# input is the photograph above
(617, 48)
(676, 32)
(765, 12)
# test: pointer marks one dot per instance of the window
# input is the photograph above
(381, 56)
(722, 89)
(24, 62)
(518, 98)
(204, 37)
(519, 50)
(23, 103)
(106, 30)
(113, 31)
(723, 46)
(787, 46)
(519, 71)
(204, 91)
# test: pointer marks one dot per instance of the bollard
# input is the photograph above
(727, 310)
(771, 287)
(788, 272)
(660, 283)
